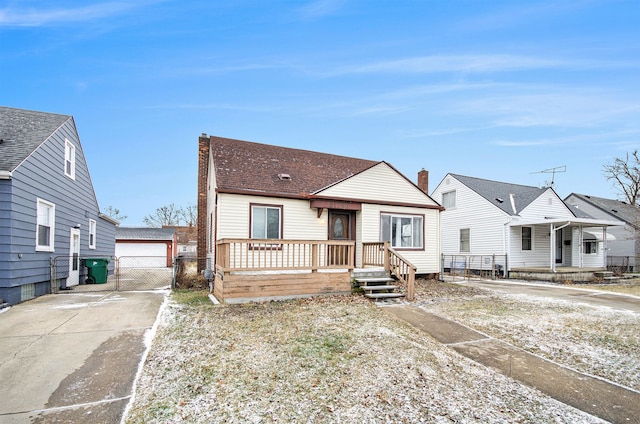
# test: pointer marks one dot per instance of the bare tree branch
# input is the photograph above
(114, 213)
(164, 215)
(625, 174)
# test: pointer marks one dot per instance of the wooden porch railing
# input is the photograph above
(266, 255)
(381, 254)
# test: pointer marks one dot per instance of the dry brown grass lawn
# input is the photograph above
(344, 359)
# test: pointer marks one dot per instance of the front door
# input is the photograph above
(559, 244)
(341, 227)
(74, 258)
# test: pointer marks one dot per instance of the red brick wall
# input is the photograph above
(203, 172)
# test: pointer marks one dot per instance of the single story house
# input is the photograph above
(49, 214)
(265, 208)
(146, 247)
(187, 239)
(624, 240)
(533, 232)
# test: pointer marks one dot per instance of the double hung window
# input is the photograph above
(45, 225)
(403, 231)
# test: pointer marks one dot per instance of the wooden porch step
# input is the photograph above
(368, 280)
(383, 295)
(385, 287)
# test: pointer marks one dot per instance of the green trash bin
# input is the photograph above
(96, 270)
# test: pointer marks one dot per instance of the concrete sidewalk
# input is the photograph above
(595, 396)
(73, 357)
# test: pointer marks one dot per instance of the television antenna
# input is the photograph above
(551, 171)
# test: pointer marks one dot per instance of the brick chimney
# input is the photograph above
(423, 180)
(204, 145)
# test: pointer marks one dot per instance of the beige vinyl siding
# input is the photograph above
(485, 221)
(299, 221)
(381, 182)
(427, 260)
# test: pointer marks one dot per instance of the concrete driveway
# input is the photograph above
(73, 357)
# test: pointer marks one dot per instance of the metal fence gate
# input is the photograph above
(468, 266)
(124, 273)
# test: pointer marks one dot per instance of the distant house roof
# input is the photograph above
(249, 167)
(620, 210)
(144, 233)
(22, 131)
(184, 233)
(499, 193)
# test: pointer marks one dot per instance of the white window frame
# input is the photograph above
(387, 222)
(92, 233)
(530, 249)
(449, 199)
(259, 208)
(69, 159)
(467, 240)
(590, 242)
(50, 213)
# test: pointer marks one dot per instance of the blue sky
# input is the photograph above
(491, 89)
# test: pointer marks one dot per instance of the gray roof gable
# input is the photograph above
(619, 210)
(499, 194)
(22, 131)
(144, 233)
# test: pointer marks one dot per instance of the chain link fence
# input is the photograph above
(469, 266)
(125, 273)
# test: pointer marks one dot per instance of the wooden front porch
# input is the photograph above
(256, 270)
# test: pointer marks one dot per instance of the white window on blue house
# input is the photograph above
(69, 159)
(449, 199)
(266, 222)
(45, 225)
(92, 234)
(403, 231)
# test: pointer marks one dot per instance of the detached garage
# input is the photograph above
(146, 247)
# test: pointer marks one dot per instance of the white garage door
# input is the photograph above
(151, 255)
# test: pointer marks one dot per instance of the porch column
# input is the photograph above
(604, 247)
(552, 247)
(581, 248)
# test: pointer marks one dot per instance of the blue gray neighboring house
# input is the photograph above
(49, 212)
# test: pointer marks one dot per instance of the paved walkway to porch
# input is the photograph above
(595, 396)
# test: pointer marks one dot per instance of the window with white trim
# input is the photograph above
(45, 225)
(449, 199)
(590, 247)
(527, 238)
(69, 159)
(92, 234)
(465, 240)
(403, 231)
(266, 222)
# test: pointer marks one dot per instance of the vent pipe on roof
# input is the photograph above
(513, 203)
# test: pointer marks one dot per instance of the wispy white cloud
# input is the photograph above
(455, 63)
(320, 8)
(31, 17)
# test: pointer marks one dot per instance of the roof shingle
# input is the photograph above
(254, 167)
(22, 131)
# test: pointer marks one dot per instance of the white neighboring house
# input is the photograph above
(532, 226)
(624, 249)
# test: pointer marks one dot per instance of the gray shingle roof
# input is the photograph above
(144, 233)
(617, 209)
(22, 131)
(498, 193)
